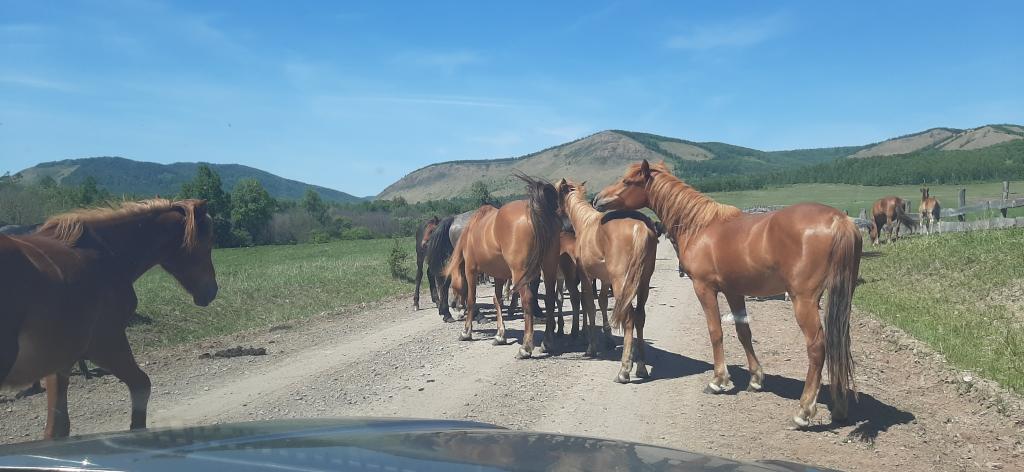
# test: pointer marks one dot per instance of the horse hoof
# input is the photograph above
(714, 388)
(800, 422)
(448, 319)
(500, 341)
(523, 353)
(641, 372)
(547, 348)
(466, 337)
(755, 386)
(622, 378)
(590, 353)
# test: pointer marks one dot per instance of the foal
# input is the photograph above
(619, 248)
(930, 210)
(69, 295)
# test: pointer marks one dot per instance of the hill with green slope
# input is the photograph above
(125, 176)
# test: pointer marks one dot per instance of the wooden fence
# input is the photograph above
(945, 225)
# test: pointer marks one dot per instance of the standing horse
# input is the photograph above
(930, 210)
(803, 249)
(69, 295)
(619, 248)
(422, 239)
(889, 211)
(518, 242)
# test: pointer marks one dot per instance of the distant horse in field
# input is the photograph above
(889, 211)
(803, 249)
(68, 293)
(619, 248)
(518, 242)
(422, 240)
(930, 210)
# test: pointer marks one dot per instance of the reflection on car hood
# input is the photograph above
(382, 445)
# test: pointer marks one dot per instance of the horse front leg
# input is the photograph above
(115, 355)
(606, 327)
(738, 306)
(499, 336)
(419, 278)
(470, 303)
(550, 282)
(432, 280)
(58, 423)
(443, 289)
(708, 297)
(590, 314)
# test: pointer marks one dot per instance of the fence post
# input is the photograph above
(1006, 196)
(863, 214)
(962, 202)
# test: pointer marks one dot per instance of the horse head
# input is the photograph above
(629, 193)
(191, 261)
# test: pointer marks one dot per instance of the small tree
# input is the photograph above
(88, 192)
(398, 260)
(315, 206)
(480, 194)
(207, 186)
(251, 210)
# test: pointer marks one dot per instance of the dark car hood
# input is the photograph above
(382, 445)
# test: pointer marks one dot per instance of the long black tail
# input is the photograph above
(543, 202)
(904, 219)
(439, 247)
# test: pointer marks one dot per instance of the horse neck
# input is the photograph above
(581, 214)
(133, 244)
(683, 210)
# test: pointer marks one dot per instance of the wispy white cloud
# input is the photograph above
(447, 61)
(21, 80)
(449, 100)
(732, 34)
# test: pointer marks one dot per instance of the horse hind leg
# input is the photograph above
(739, 312)
(499, 335)
(640, 318)
(606, 328)
(589, 316)
(806, 309)
(627, 347)
(470, 303)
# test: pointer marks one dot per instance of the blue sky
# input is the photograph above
(354, 95)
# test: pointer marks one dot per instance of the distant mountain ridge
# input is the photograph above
(125, 176)
(601, 158)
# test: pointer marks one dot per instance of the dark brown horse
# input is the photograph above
(518, 242)
(618, 248)
(930, 210)
(803, 249)
(422, 240)
(889, 211)
(68, 293)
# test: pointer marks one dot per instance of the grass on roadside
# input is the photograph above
(266, 285)
(962, 293)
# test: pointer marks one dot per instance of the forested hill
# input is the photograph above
(125, 176)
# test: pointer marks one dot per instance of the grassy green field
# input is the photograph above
(267, 285)
(962, 293)
(854, 197)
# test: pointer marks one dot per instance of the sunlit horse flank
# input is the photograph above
(929, 209)
(619, 248)
(803, 249)
(889, 212)
(517, 242)
(422, 239)
(68, 294)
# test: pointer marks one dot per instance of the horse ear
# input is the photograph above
(645, 169)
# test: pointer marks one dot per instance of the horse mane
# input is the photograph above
(580, 210)
(681, 206)
(69, 227)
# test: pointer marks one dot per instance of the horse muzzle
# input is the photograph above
(206, 296)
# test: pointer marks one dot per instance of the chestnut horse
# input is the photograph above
(889, 211)
(930, 210)
(422, 239)
(619, 248)
(68, 293)
(518, 242)
(801, 249)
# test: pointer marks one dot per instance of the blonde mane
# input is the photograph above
(683, 210)
(580, 211)
(70, 226)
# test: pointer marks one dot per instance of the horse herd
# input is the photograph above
(68, 291)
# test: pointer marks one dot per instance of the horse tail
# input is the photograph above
(844, 265)
(639, 259)
(543, 203)
(903, 218)
(456, 268)
(439, 246)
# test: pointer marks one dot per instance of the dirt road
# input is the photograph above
(914, 412)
